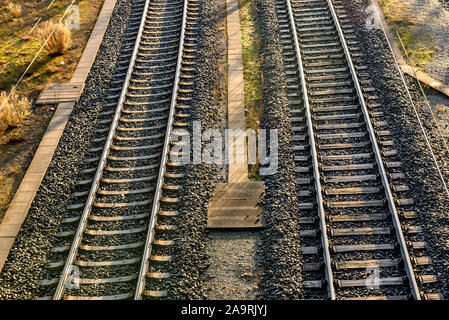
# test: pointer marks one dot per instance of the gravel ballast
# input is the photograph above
(431, 202)
(234, 272)
(280, 246)
(279, 250)
(421, 174)
(190, 258)
(21, 272)
(29, 254)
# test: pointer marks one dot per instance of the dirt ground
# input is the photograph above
(423, 26)
(18, 144)
(424, 29)
(17, 147)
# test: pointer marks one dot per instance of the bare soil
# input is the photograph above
(18, 145)
(423, 26)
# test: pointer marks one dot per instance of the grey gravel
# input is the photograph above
(278, 251)
(190, 250)
(445, 4)
(235, 271)
(280, 246)
(431, 203)
(439, 105)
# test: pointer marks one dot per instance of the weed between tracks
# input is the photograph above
(252, 75)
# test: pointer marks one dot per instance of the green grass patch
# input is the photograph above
(252, 75)
(17, 48)
(419, 44)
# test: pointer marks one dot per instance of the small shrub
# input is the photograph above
(14, 9)
(60, 40)
(12, 111)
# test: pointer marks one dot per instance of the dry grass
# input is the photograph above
(59, 41)
(18, 144)
(252, 75)
(419, 44)
(12, 110)
(14, 169)
(14, 9)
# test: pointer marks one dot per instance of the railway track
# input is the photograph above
(353, 195)
(115, 238)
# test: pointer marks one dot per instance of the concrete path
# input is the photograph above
(235, 203)
(238, 172)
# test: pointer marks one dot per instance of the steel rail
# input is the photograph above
(316, 173)
(379, 161)
(98, 174)
(160, 181)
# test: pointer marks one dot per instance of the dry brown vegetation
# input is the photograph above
(13, 110)
(14, 9)
(59, 41)
(17, 49)
(252, 75)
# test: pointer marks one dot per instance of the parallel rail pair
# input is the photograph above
(351, 227)
(111, 234)
(348, 208)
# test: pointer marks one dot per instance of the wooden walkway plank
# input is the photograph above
(236, 205)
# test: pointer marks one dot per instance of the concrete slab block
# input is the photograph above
(6, 243)
(9, 230)
(13, 219)
(17, 208)
(235, 65)
(26, 193)
(49, 141)
(38, 167)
